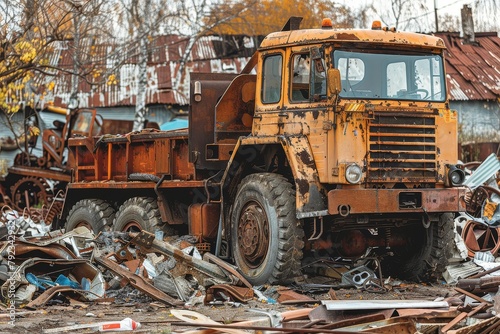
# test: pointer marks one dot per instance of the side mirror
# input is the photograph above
(334, 83)
(316, 55)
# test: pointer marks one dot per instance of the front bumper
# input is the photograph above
(369, 201)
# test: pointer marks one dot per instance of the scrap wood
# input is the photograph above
(473, 296)
(488, 326)
(301, 313)
(225, 328)
(428, 313)
(289, 296)
(48, 294)
(462, 316)
(192, 317)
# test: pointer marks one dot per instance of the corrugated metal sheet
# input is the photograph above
(473, 69)
(226, 53)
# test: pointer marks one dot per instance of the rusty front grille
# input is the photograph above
(402, 148)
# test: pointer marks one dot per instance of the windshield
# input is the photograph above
(416, 77)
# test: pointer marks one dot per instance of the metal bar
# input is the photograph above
(136, 281)
(270, 329)
(473, 296)
(344, 305)
(484, 172)
(406, 126)
(204, 267)
(135, 185)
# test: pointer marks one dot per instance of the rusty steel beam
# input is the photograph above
(271, 329)
(38, 172)
(147, 241)
(136, 281)
(227, 267)
(136, 185)
(388, 200)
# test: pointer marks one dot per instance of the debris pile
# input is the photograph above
(40, 267)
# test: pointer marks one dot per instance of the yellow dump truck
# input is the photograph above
(336, 142)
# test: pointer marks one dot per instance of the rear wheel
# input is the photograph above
(136, 214)
(267, 238)
(94, 214)
(426, 255)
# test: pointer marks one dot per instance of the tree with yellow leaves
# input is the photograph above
(34, 33)
(260, 17)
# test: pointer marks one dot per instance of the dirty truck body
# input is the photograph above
(338, 143)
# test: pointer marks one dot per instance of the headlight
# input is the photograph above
(456, 176)
(353, 173)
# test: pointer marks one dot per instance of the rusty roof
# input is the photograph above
(313, 36)
(473, 69)
(226, 53)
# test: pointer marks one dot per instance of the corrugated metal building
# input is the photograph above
(473, 77)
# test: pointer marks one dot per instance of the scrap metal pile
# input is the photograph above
(40, 267)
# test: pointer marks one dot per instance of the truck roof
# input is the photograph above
(314, 36)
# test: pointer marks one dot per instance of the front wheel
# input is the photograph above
(267, 238)
(426, 255)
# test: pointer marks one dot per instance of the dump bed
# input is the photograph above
(138, 155)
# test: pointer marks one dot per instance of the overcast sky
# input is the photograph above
(426, 18)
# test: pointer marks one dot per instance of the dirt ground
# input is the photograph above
(156, 318)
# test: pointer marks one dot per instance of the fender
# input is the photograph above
(310, 195)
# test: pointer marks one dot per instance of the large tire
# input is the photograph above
(426, 256)
(95, 214)
(136, 214)
(267, 237)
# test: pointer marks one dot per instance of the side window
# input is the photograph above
(319, 79)
(301, 77)
(428, 79)
(438, 90)
(396, 79)
(271, 80)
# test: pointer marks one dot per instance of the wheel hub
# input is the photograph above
(253, 234)
(132, 226)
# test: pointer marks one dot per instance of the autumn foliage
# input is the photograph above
(263, 17)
